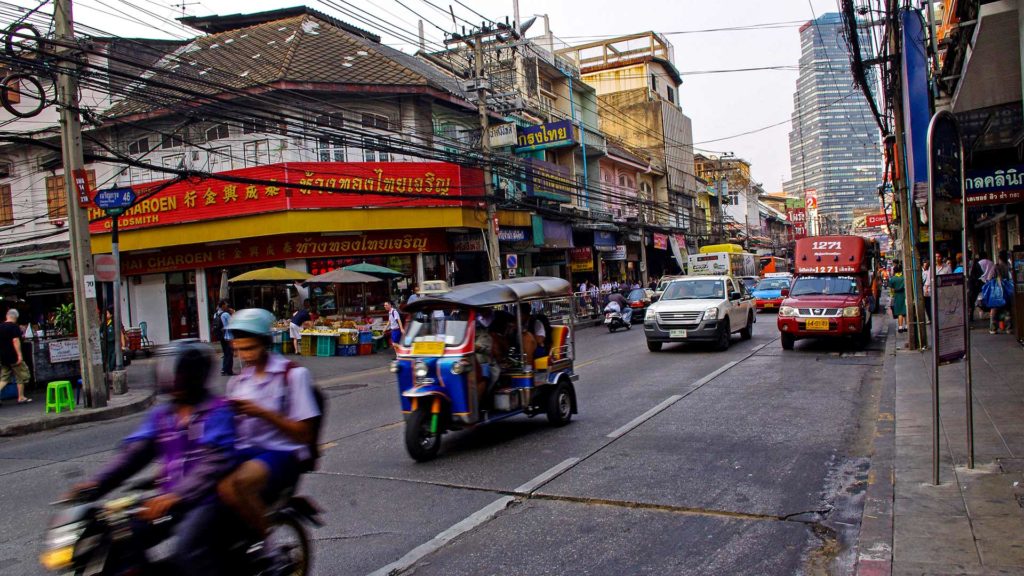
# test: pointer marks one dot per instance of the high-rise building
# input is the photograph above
(834, 149)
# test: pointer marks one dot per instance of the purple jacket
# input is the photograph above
(193, 456)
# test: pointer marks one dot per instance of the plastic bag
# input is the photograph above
(993, 294)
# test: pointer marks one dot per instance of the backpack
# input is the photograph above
(310, 463)
(217, 327)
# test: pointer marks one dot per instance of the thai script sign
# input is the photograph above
(581, 259)
(549, 180)
(502, 135)
(513, 234)
(1000, 197)
(296, 185)
(618, 254)
(471, 242)
(550, 135)
(63, 350)
(282, 247)
(660, 241)
(991, 180)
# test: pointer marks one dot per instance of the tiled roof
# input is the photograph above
(295, 50)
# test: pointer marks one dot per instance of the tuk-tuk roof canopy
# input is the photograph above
(483, 294)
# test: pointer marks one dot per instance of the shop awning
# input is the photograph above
(35, 256)
(374, 270)
(272, 274)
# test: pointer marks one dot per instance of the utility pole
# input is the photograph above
(475, 41)
(83, 279)
(644, 273)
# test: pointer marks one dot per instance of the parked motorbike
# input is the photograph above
(614, 321)
(89, 537)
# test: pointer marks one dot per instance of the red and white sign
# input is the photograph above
(297, 186)
(105, 267)
(84, 181)
(875, 220)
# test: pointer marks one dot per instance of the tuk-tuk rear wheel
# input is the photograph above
(560, 405)
(420, 443)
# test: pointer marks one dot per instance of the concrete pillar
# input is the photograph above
(420, 274)
(203, 307)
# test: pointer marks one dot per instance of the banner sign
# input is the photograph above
(875, 220)
(542, 136)
(513, 234)
(283, 247)
(85, 182)
(581, 259)
(1001, 197)
(660, 241)
(468, 242)
(549, 180)
(63, 350)
(502, 135)
(951, 340)
(618, 254)
(794, 203)
(348, 185)
(604, 240)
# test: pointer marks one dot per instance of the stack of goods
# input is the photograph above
(319, 340)
(348, 338)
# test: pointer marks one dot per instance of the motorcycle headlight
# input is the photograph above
(649, 315)
(64, 536)
(851, 312)
(394, 367)
(421, 369)
(787, 311)
(711, 314)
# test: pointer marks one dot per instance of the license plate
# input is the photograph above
(428, 348)
(768, 305)
(677, 333)
(817, 324)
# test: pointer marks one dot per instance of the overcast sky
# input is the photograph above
(720, 104)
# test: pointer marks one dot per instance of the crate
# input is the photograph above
(365, 349)
(348, 336)
(347, 350)
(306, 346)
(366, 337)
(286, 347)
(325, 345)
(277, 348)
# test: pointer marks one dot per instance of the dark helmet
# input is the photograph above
(184, 371)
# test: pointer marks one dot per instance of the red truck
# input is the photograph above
(833, 292)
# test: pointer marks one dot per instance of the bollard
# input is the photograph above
(119, 381)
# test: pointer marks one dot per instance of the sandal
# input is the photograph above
(24, 401)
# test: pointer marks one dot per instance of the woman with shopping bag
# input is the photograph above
(997, 295)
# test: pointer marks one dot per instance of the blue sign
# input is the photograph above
(513, 234)
(549, 180)
(115, 198)
(550, 135)
(511, 261)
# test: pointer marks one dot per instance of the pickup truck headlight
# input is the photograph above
(851, 312)
(787, 311)
(711, 314)
(649, 315)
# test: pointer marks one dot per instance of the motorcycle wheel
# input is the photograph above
(419, 442)
(611, 328)
(289, 541)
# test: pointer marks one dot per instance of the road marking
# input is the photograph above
(437, 542)
(714, 374)
(645, 416)
(758, 348)
(547, 476)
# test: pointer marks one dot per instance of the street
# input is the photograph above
(686, 461)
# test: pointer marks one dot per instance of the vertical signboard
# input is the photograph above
(950, 335)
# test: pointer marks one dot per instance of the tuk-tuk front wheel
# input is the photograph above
(560, 405)
(421, 442)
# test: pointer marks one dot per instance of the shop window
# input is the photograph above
(172, 141)
(217, 132)
(138, 175)
(330, 149)
(375, 149)
(376, 121)
(263, 126)
(56, 198)
(257, 153)
(140, 146)
(6, 205)
(219, 159)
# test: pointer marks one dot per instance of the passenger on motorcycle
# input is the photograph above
(619, 301)
(277, 409)
(192, 437)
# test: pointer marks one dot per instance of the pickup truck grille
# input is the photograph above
(679, 318)
(820, 312)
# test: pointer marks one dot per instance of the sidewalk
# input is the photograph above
(17, 419)
(973, 521)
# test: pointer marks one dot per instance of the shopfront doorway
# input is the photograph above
(182, 305)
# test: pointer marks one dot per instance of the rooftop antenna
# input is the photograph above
(184, 4)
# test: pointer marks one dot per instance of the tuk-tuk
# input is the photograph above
(461, 360)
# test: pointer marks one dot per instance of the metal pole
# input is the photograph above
(936, 423)
(118, 352)
(493, 255)
(968, 368)
(86, 320)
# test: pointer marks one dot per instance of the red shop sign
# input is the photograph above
(271, 248)
(297, 185)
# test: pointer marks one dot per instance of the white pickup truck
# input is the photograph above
(700, 308)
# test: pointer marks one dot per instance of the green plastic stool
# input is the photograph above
(59, 396)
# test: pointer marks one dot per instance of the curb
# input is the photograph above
(874, 545)
(79, 416)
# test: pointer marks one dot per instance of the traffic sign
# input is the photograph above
(511, 261)
(105, 267)
(115, 199)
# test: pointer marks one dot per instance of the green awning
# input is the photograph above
(35, 256)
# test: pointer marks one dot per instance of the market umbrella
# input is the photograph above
(343, 276)
(373, 269)
(270, 275)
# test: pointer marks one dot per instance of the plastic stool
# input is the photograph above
(59, 396)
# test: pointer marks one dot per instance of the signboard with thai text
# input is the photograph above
(513, 234)
(469, 242)
(581, 259)
(549, 180)
(296, 186)
(550, 135)
(502, 135)
(660, 241)
(283, 247)
(63, 350)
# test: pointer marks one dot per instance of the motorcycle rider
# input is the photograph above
(193, 437)
(277, 410)
(616, 300)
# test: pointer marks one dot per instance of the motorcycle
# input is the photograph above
(99, 538)
(613, 320)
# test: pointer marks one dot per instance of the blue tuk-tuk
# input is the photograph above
(484, 352)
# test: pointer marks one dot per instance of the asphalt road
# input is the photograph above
(687, 461)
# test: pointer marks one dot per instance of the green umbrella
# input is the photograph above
(374, 270)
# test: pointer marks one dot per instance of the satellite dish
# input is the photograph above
(523, 27)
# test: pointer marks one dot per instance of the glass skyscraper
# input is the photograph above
(834, 147)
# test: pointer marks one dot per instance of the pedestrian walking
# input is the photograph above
(926, 286)
(223, 317)
(11, 360)
(897, 291)
(108, 340)
(300, 317)
(999, 311)
(942, 265)
(394, 324)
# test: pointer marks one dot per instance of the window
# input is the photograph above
(172, 141)
(257, 153)
(6, 206)
(671, 94)
(219, 159)
(654, 83)
(376, 121)
(263, 126)
(217, 132)
(329, 147)
(13, 92)
(375, 149)
(140, 146)
(56, 198)
(176, 161)
(6, 169)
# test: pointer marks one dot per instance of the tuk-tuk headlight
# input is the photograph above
(421, 369)
(394, 367)
(460, 367)
(851, 312)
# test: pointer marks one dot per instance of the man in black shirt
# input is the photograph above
(10, 355)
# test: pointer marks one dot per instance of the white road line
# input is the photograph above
(758, 348)
(645, 416)
(713, 375)
(544, 477)
(472, 521)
